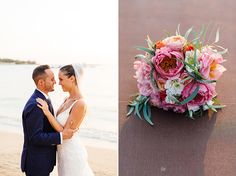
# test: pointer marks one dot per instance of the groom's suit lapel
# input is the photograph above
(50, 107)
(40, 95)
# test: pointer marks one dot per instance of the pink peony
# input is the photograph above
(166, 64)
(175, 43)
(206, 93)
(167, 106)
(143, 77)
(155, 99)
(210, 64)
(174, 107)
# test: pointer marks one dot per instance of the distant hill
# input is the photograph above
(12, 61)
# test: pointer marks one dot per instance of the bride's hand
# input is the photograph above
(43, 105)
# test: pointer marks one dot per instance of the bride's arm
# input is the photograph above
(44, 106)
(76, 115)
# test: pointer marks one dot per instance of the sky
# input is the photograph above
(59, 31)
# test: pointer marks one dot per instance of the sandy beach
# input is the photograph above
(102, 161)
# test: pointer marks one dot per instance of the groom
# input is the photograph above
(40, 139)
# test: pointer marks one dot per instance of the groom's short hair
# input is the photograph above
(39, 73)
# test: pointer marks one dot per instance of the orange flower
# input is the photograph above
(159, 44)
(188, 47)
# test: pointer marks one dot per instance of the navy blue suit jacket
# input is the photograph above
(40, 139)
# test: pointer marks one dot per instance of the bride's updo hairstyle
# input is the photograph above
(69, 71)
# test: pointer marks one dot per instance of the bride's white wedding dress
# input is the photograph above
(72, 155)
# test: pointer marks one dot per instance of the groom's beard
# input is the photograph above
(50, 88)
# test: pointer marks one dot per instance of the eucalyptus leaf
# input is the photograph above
(223, 52)
(191, 97)
(146, 50)
(196, 42)
(140, 56)
(185, 79)
(133, 103)
(192, 67)
(217, 36)
(152, 79)
(137, 111)
(195, 39)
(149, 110)
(213, 109)
(173, 98)
(177, 30)
(195, 58)
(150, 43)
(207, 81)
(218, 106)
(205, 32)
(188, 32)
(190, 112)
(130, 111)
(145, 114)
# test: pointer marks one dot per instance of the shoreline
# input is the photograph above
(103, 161)
(90, 142)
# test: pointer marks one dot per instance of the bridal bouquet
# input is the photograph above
(178, 74)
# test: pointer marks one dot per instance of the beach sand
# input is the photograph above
(102, 161)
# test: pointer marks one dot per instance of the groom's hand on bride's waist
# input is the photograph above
(67, 133)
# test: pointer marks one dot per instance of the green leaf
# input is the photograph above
(212, 108)
(133, 103)
(217, 36)
(146, 115)
(173, 98)
(152, 79)
(146, 50)
(149, 110)
(130, 111)
(185, 79)
(223, 52)
(196, 42)
(218, 106)
(205, 32)
(216, 101)
(137, 111)
(192, 67)
(207, 81)
(191, 97)
(202, 31)
(178, 31)
(195, 58)
(140, 56)
(150, 43)
(190, 114)
(188, 32)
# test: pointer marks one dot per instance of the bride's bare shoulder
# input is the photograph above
(80, 102)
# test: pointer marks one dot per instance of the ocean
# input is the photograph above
(100, 88)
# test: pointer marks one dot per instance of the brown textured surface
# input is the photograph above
(177, 146)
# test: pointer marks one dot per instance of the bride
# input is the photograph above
(72, 155)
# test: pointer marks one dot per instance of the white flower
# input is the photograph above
(189, 58)
(174, 86)
(206, 106)
(169, 99)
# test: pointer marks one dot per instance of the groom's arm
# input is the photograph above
(34, 123)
